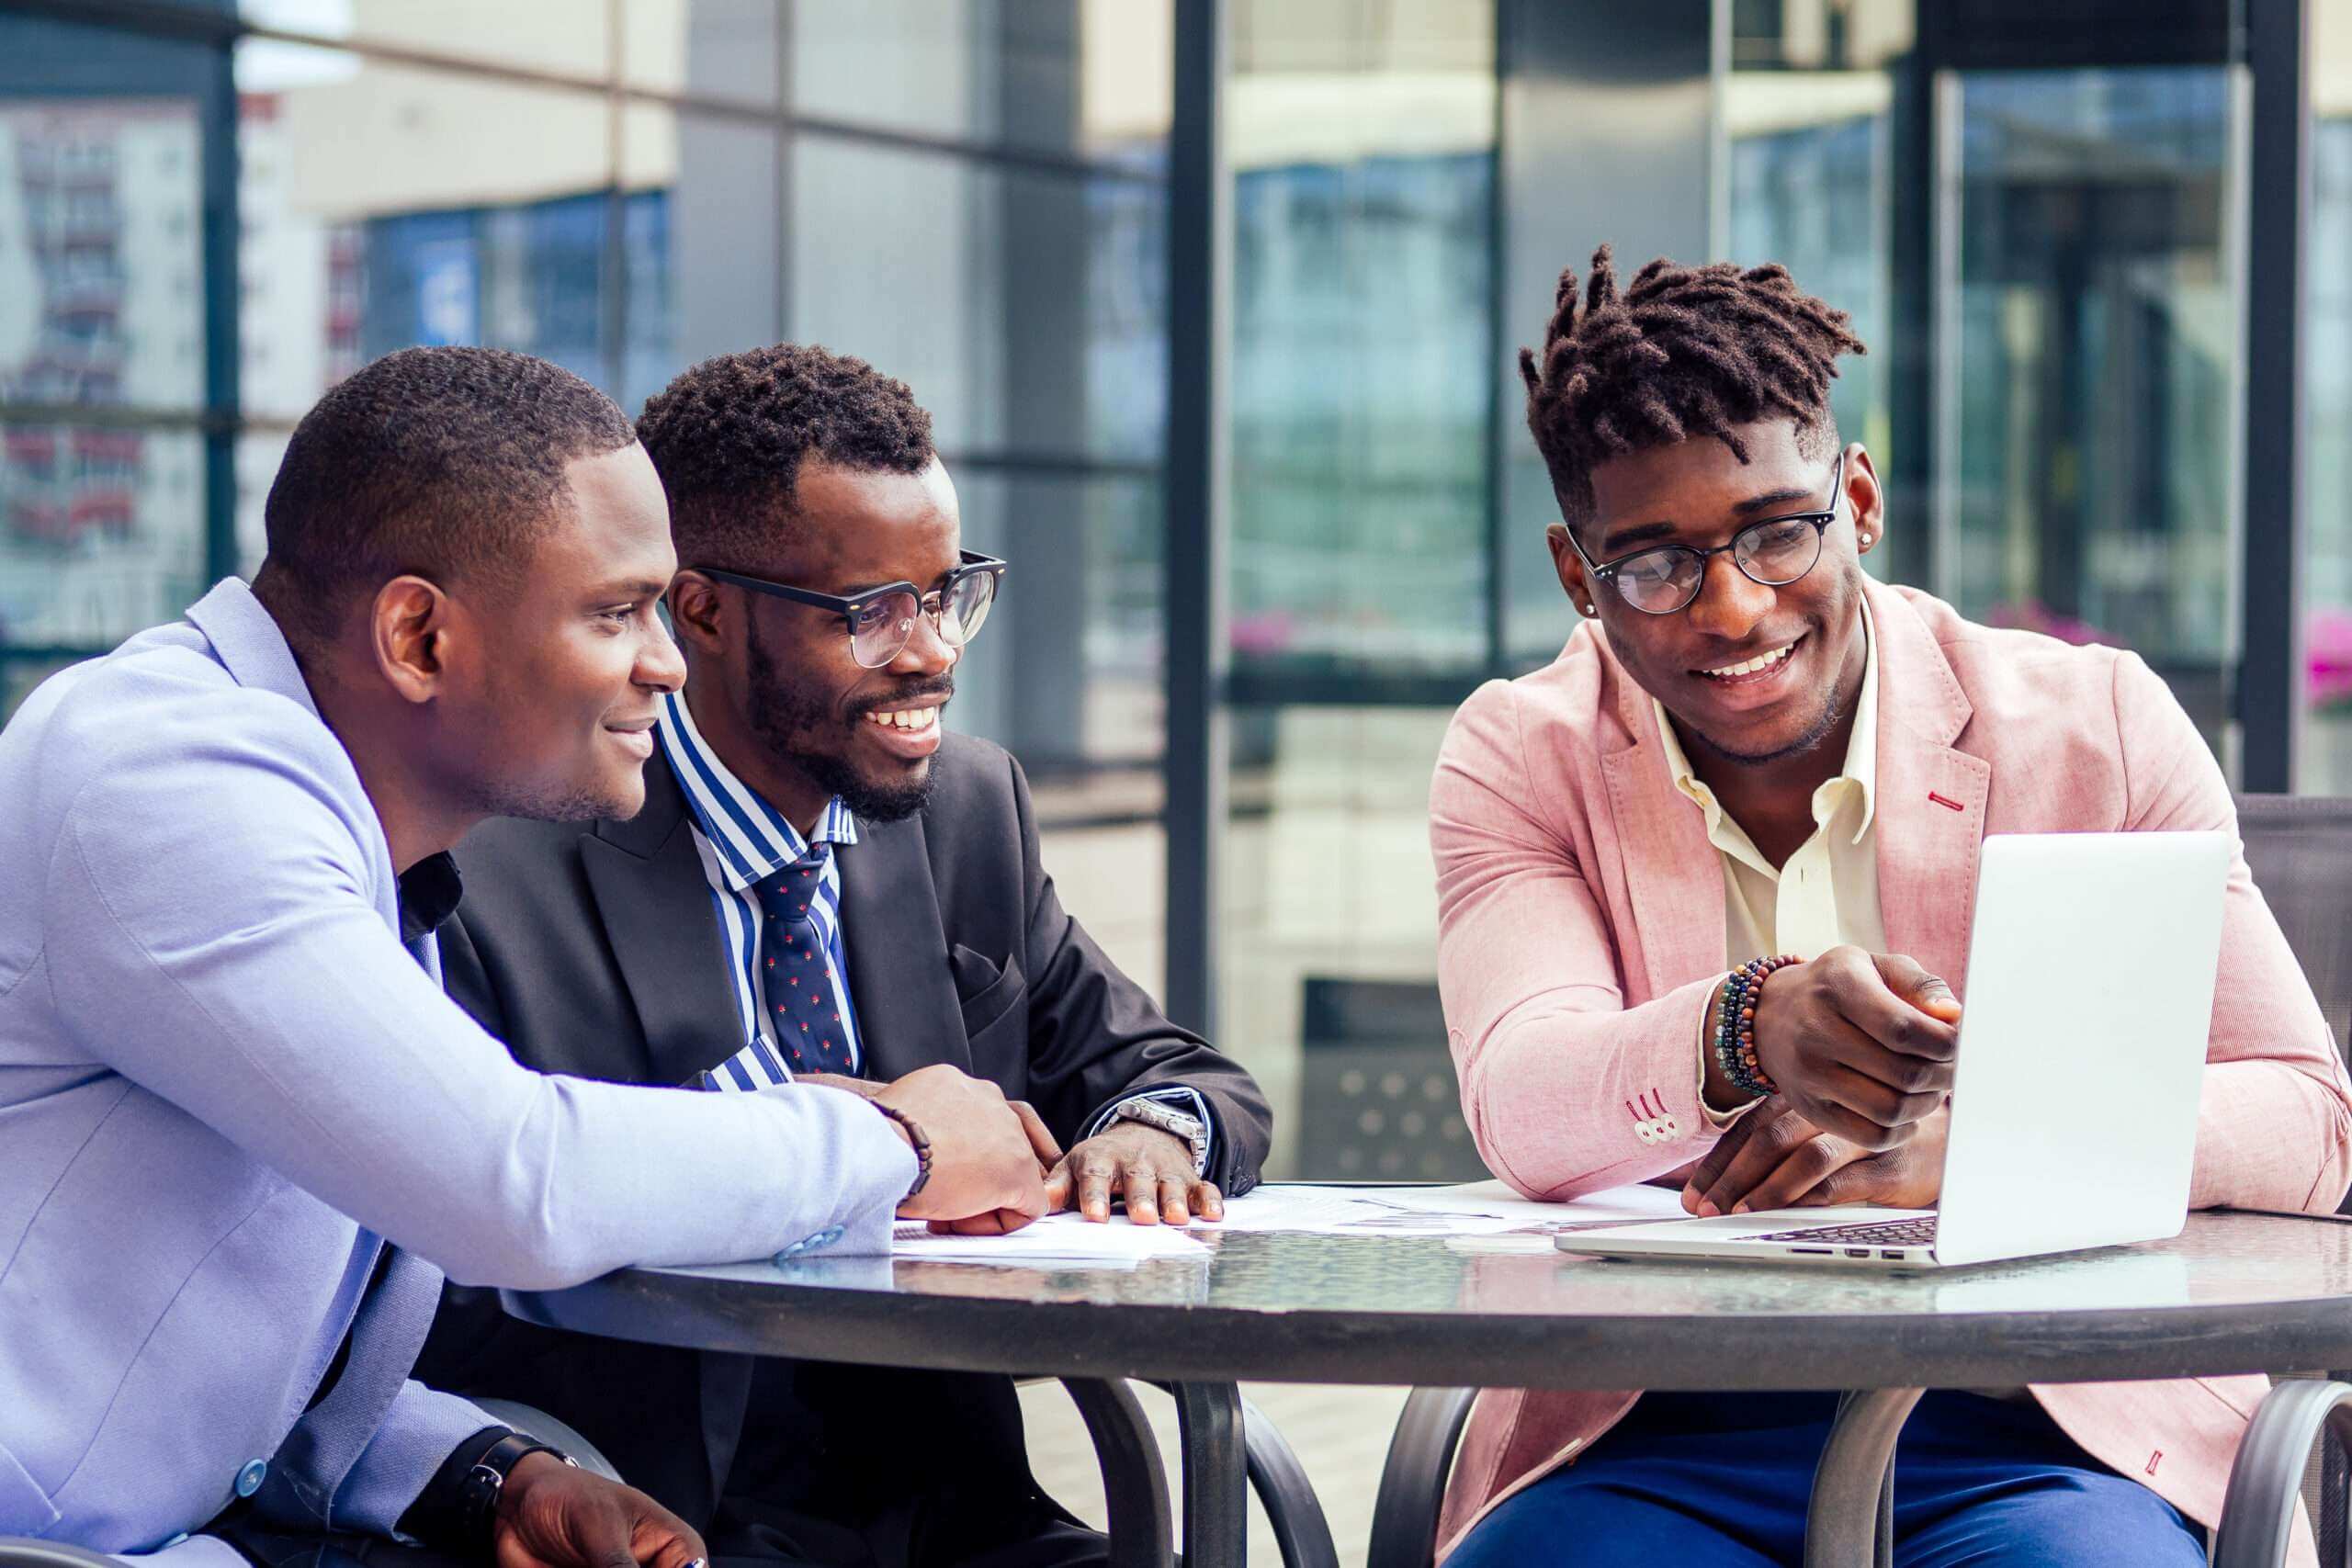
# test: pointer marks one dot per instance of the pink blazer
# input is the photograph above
(1580, 934)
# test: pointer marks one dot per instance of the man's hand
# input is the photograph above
(988, 1153)
(1152, 1167)
(1774, 1158)
(1859, 1045)
(552, 1516)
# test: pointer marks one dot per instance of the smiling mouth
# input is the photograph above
(1749, 669)
(907, 721)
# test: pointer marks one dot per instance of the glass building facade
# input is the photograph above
(2042, 219)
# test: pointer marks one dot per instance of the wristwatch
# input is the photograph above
(479, 1493)
(1168, 1119)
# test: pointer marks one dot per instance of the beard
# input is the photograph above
(786, 719)
(1823, 724)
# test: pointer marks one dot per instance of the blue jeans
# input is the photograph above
(1708, 1479)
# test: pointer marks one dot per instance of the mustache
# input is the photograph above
(943, 688)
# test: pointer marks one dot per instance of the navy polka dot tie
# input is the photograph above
(795, 974)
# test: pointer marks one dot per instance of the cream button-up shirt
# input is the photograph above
(1826, 896)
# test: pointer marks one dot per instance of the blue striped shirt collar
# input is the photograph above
(752, 839)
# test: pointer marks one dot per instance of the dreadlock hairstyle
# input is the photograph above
(1687, 351)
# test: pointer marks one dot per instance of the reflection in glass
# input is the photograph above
(2090, 491)
(2325, 767)
(563, 35)
(1026, 310)
(373, 221)
(101, 531)
(101, 262)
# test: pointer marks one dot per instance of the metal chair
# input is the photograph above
(24, 1552)
(2300, 850)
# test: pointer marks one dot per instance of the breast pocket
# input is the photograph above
(990, 997)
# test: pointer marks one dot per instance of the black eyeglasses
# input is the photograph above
(1774, 552)
(881, 620)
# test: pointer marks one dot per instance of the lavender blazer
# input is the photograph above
(1580, 935)
(225, 1086)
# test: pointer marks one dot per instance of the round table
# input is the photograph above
(2234, 1292)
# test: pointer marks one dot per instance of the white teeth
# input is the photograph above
(906, 718)
(1762, 662)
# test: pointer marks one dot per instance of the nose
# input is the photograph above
(1730, 602)
(928, 652)
(659, 666)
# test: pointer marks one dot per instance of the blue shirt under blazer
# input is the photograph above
(225, 1084)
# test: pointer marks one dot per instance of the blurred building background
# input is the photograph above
(2059, 225)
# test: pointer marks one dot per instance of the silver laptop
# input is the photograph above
(2082, 1052)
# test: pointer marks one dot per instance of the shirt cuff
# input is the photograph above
(1718, 1120)
(434, 1519)
(1191, 1102)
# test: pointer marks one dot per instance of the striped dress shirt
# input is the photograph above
(742, 841)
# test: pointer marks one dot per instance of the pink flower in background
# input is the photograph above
(2327, 658)
(2033, 615)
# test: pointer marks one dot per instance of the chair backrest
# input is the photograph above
(23, 1551)
(2300, 850)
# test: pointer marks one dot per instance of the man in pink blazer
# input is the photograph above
(1747, 748)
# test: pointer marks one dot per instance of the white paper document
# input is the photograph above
(1059, 1240)
(1474, 1209)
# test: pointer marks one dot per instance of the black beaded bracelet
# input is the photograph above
(1736, 1025)
(920, 1144)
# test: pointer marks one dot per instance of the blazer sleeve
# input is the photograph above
(1548, 1052)
(2274, 1128)
(1096, 1037)
(210, 933)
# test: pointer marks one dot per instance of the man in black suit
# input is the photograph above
(823, 881)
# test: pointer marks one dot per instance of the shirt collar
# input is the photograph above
(752, 837)
(1860, 774)
(430, 891)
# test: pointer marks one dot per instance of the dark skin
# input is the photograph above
(1860, 1045)
(534, 697)
(778, 694)
(537, 698)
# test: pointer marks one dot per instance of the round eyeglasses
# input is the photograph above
(1774, 552)
(881, 621)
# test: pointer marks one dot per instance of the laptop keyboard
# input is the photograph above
(1920, 1232)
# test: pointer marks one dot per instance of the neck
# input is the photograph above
(419, 817)
(792, 792)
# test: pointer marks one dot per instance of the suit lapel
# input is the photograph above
(1673, 875)
(1931, 796)
(908, 1016)
(655, 906)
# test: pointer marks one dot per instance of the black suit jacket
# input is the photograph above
(595, 951)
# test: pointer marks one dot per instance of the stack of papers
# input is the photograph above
(1484, 1216)
(1057, 1239)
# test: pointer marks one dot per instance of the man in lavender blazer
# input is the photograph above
(245, 1133)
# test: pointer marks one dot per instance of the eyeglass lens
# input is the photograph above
(880, 631)
(1775, 552)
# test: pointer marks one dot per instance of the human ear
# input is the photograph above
(1866, 497)
(410, 634)
(697, 613)
(1570, 565)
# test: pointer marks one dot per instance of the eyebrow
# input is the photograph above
(634, 588)
(1642, 532)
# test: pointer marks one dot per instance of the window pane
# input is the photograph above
(1362, 139)
(706, 242)
(101, 531)
(1027, 311)
(2092, 493)
(101, 208)
(2327, 763)
(373, 219)
(1084, 77)
(718, 49)
(570, 38)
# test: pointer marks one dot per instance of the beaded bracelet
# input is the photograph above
(915, 1139)
(1736, 1025)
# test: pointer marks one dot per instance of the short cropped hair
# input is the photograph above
(443, 463)
(1684, 352)
(728, 436)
